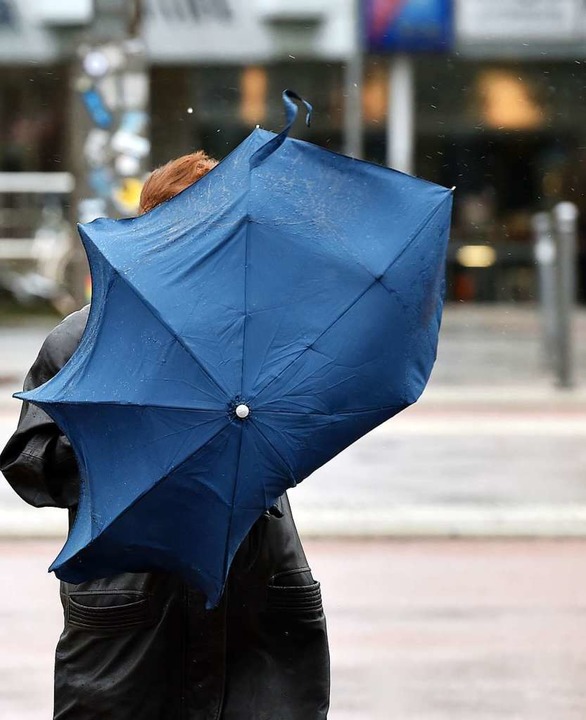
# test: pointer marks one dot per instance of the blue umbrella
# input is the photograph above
(240, 336)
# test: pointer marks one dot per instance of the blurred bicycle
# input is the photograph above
(35, 239)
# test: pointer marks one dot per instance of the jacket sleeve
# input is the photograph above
(38, 461)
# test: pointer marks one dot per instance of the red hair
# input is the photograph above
(170, 179)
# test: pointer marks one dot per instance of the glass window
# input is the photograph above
(32, 119)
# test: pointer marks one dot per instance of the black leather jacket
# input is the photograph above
(142, 646)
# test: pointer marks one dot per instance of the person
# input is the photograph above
(142, 646)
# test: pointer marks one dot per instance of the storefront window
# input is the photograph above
(508, 136)
(229, 101)
(32, 119)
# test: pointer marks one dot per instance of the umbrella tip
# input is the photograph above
(242, 411)
(453, 188)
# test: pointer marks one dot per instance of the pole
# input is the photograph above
(109, 122)
(353, 74)
(566, 218)
(401, 115)
(545, 257)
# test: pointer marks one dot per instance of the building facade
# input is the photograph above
(501, 115)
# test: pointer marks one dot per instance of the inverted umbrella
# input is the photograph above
(241, 335)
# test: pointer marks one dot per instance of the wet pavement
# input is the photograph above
(456, 630)
(419, 630)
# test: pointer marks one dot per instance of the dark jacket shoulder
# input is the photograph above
(58, 347)
(38, 461)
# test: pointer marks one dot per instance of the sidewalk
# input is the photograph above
(491, 449)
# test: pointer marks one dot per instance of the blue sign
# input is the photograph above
(408, 25)
(96, 108)
(6, 13)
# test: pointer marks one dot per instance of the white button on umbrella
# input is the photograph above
(242, 411)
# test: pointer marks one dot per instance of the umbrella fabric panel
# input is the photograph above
(134, 359)
(201, 300)
(293, 288)
(196, 293)
(356, 211)
(191, 522)
(306, 442)
(145, 443)
(363, 361)
(355, 365)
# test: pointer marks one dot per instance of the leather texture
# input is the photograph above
(142, 645)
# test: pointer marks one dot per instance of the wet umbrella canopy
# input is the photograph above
(241, 335)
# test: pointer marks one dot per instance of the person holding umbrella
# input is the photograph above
(143, 645)
(261, 321)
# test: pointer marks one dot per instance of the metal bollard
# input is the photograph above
(545, 257)
(566, 220)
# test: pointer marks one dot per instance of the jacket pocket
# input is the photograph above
(296, 599)
(108, 612)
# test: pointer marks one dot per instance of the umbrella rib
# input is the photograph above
(170, 330)
(231, 506)
(357, 299)
(334, 414)
(277, 453)
(190, 457)
(114, 403)
(246, 247)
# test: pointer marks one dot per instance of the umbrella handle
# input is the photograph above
(290, 114)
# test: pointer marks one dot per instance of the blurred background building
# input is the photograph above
(499, 110)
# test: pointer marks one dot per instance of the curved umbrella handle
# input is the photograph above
(290, 114)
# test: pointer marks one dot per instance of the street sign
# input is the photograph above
(63, 13)
(517, 20)
(408, 25)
